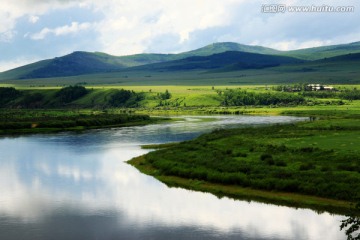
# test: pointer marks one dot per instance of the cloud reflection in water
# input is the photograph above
(69, 176)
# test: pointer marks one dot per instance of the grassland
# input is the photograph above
(184, 98)
(14, 121)
(312, 164)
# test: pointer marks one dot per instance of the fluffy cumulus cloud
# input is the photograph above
(33, 19)
(11, 11)
(73, 28)
(134, 26)
(177, 25)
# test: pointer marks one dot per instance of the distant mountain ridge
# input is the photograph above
(316, 53)
(229, 60)
(80, 63)
(76, 63)
(229, 46)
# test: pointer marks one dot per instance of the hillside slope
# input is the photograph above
(226, 47)
(74, 64)
(324, 52)
(227, 61)
(80, 63)
(84, 63)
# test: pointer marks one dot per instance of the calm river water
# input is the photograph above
(78, 186)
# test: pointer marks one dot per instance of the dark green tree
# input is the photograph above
(166, 95)
(126, 98)
(352, 225)
(71, 93)
(120, 97)
(32, 100)
(8, 94)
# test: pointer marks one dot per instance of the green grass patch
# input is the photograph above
(244, 193)
(40, 121)
(300, 159)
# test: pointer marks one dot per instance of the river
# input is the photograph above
(79, 186)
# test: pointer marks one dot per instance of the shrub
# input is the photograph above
(306, 166)
(270, 161)
(348, 167)
(350, 95)
(308, 149)
(240, 154)
(8, 94)
(280, 163)
(265, 156)
(244, 98)
(325, 169)
(71, 93)
(166, 95)
(125, 98)
(32, 100)
(228, 152)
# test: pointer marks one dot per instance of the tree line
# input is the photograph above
(243, 98)
(13, 98)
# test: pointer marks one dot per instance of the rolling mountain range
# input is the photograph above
(218, 57)
(225, 61)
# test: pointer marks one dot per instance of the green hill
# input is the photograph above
(80, 63)
(76, 63)
(324, 52)
(85, 63)
(227, 61)
(228, 46)
(347, 57)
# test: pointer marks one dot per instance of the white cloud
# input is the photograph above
(74, 28)
(11, 10)
(131, 26)
(292, 30)
(33, 19)
(159, 25)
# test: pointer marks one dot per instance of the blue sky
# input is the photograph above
(33, 30)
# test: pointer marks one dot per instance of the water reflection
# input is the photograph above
(77, 186)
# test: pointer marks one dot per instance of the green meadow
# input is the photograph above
(186, 97)
(15, 121)
(311, 164)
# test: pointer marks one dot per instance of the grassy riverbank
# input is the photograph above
(243, 193)
(44, 121)
(312, 164)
